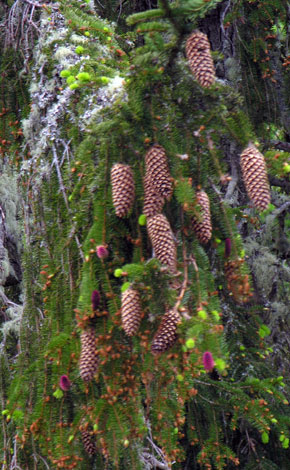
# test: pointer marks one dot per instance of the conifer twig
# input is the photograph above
(281, 183)
(212, 152)
(216, 190)
(280, 210)
(232, 185)
(154, 463)
(164, 4)
(104, 231)
(58, 172)
(35, 456)
(185, 280)
(14, 465)
(62, 188)
(193, 261)
(285, 146)
(147, 457)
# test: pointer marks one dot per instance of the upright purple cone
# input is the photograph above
(208, 362)
(102, 252)
(64, 383)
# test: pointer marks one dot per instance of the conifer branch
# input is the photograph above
(231, 131)
(234, 179)
(14, 464)
(193, 262)
(214, 157)
(185, 277)
(221, 202)
(280, 209)
(62, 188)
(148, 458)
(105, 197)
(278, 144)
(281, 183)
(153, 462)
(165, 6)
(55, 162)
(41, 5)
(36, 456)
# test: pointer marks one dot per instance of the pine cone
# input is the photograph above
(88, 359)
(237, 282)
(203, 227)
(161, 237)
(255, 177)
(153, 202)
(123, 188)
(88, 443)
(166, 334)
(200, 61)
(131, 311)
(158, 171)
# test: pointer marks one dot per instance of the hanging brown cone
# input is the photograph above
(199, 57)
(237, 282)
(131, 311)
(202, 225)
(123, 188)
(161, 237)
(153, 202)
(158, 171)
(166, 334)
(88, 443)
(255, 177)
(88, 359)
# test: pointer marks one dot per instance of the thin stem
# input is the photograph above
(105, 197)
(225, 217)
(185, 272)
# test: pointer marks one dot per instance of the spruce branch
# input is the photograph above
(278, 144)
(148, 458)
(212, 153)
(185, 275)
(193, 261)
(165, 6)
(153, 462)
(37, 456)
(41, 5)
(234, 179)
(228, 225)
(107, 175)
(55, 163)
(14, 464)
(144, 15)
(281, 183)
(280, 209)
(21, 25)
(231, 131)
